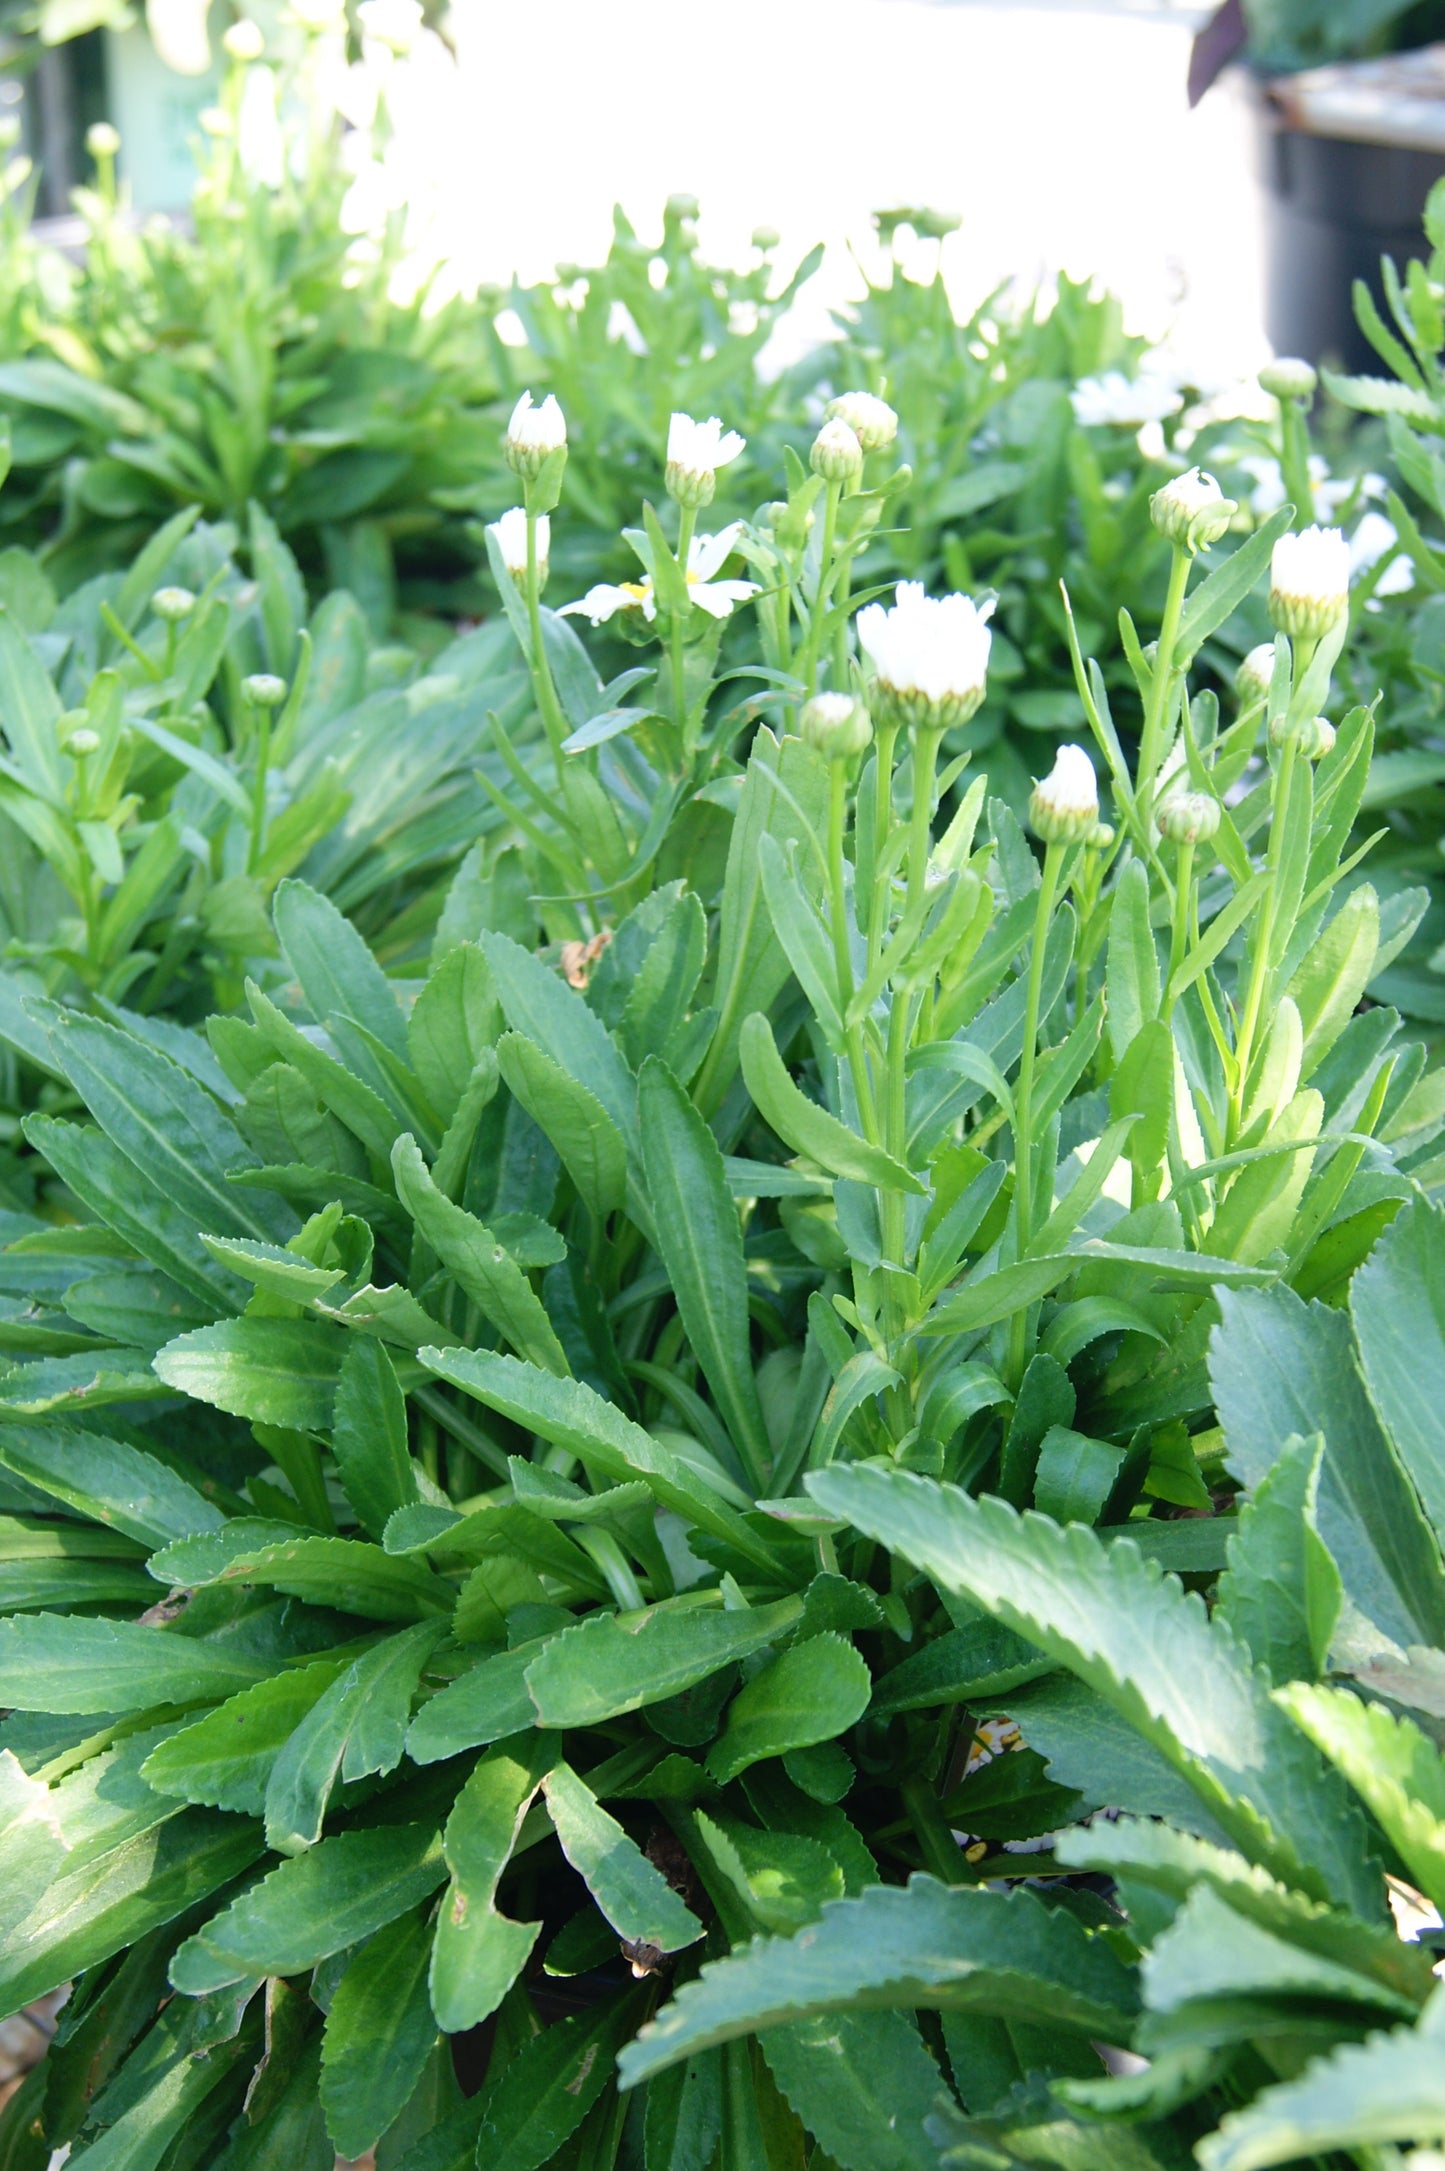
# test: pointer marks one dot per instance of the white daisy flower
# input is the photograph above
(707, 554)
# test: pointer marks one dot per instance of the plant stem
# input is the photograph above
(842, 954)
(1151, 750)
(1294, 461)
(1179, 929)
(825, 583)
(1023, 1098)
(550, 707)
(258, 789)
(885, 742)
(687, 518)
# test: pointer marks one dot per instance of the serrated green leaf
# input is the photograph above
(1142, 1644)
(543, 2094)
(318, 1903)
(118, 1485)
(1395, 1769)
(343, 1572)
(591, 1146)
(1396, 1302)
(225, 1759)
(357, 1727)
(611, 1663)
(808, 1694)
(808, 1128)
(53, 1663)
(273, 1371)
(369, 1437)
(478, 1261)
(478, 1952)
(1213, 1951)
(863, 2085)
(925, 1945)
(631, 1892)
(683, 2115)
(1281, 1594)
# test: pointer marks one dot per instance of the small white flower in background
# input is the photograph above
(930, 655)
(836, 454)
(396, 24)
(534, 434)
(101, 140)
(1253, 678)
(1065, 804)
(1371, 539)
(1327, 492)
(1192, 510)
(872, 421)
(244, 40)
(1121, 402)
(707, 554)
(695, 452)
(1309, 583)
(511, 534)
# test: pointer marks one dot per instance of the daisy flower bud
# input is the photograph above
(264, 690)
(82, 742)
(929, 656)
(1253, 678)
(101, 140)
(533, 435)
(838, 725)
(766, 239)
(1309, 583)
(1312, 738)
(872, 421)
(1065, 803)
(396, 24)
(217, 122)
(1100, 837)
(1288, 379)
(837, 455)
(1192, 510)
(511, 534)
(1188, 818)
(173, 604)
(695, 452)
(244, 40)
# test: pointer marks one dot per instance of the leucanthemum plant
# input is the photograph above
(526, 1493)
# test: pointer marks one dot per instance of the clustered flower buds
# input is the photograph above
(838, 725)
(837, 455)
(533, 435)
(1192, 510)
(1289, 379)
(1065, 804)
(872, 421)
(1188, 818)
(930, 657)
(1255, 675)
(695, 452)
(511, 534)
(173, 604)
(1313, 736)
(264, 690)
(1309, 583)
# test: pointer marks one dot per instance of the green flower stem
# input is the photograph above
(1294, 461)
(1161, 686)
(687, 520)
(262, 725)
(549, 706)
(1023, 1098)
(813, 646)
(885, 741)
(1181, 922)
(1264, 936)
(939, 1848)
(842, 956)
(608, 1555)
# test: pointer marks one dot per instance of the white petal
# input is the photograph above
(708, 554)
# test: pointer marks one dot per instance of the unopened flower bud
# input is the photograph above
(1100, 837)
(766, 239)
(1188, 818)
(173, 604)
(511, 534)
(217, 122)
(264, 690)
(101, 140)
(836, 455)
(1192, 510)
(533, 435)
(838, 725)
(1065, 803)
(695, 452)
(244, 40)
(1309, 583)
(930, 656)
(82, 742)
(681, 207)
(1255, 675)
(1287, 378)
(1313, 736)
(872, 421)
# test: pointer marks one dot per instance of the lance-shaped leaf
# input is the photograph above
(806, 1127)
(616, 1662)
(573, 1415)
(226, 1758)
(1398, 1303)
(863, 2085)
(541, 2096)
(479, 1953)
(368, 1435)
(1395, 1768)
(316, 1904)
(809, 1694)
(54, 1663)
(592, 1148)
(272, 1371)
(379, 2032)
(1281, 1595)
(357, 1727)
(630, 1890)
(924, 1945)
(478, 1260)
(1147, 1648)
(342, 1572)
(108, 1481)
(700, 1239)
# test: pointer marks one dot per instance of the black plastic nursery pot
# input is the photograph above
(1333, 206)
